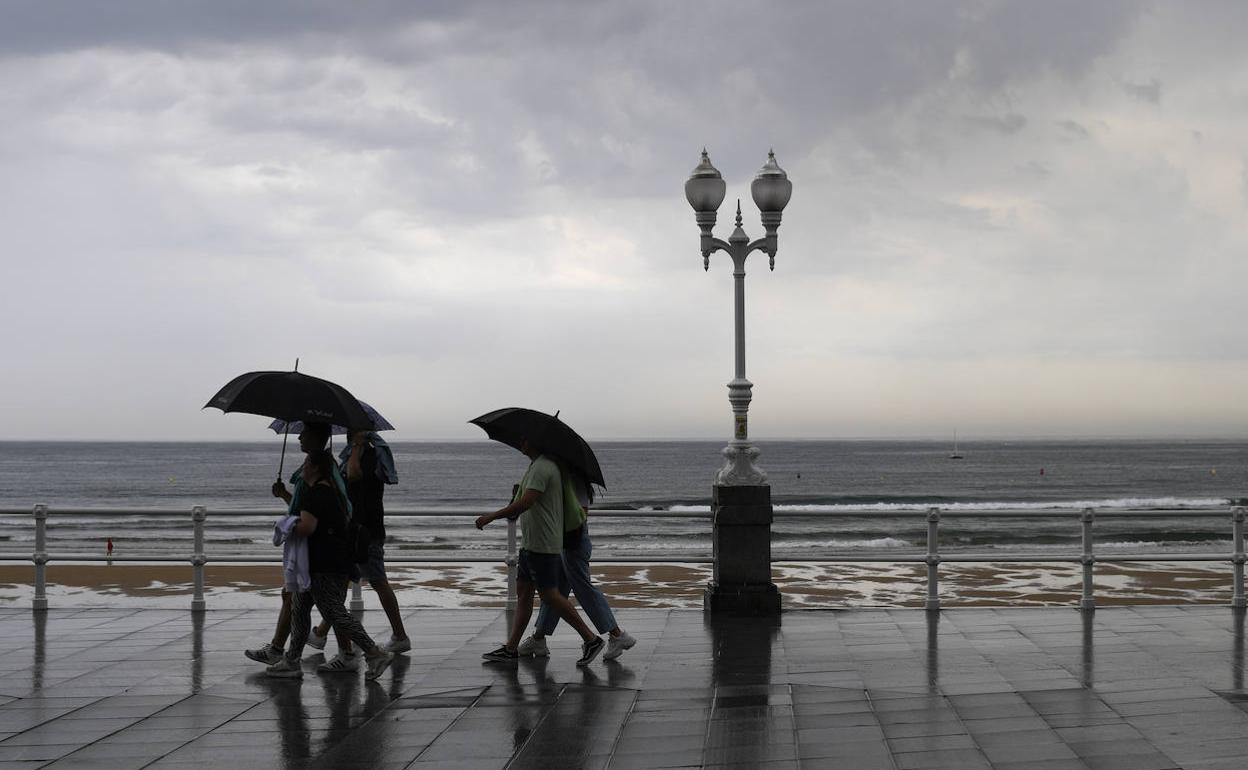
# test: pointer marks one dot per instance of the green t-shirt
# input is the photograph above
(541, 527)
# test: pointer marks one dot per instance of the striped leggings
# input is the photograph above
(329, 594)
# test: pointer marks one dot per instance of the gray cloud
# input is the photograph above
(1072, 128)
(1010, 123)
(411, 197)
(1146, 92)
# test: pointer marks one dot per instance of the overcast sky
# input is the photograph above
(1008, 218)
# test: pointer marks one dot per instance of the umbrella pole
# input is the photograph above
(285, 436)
(282, 464)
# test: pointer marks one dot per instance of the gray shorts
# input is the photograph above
(374, 569)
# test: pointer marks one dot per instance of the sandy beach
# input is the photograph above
(646, 585)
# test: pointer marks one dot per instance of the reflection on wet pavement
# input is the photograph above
(1131, 687)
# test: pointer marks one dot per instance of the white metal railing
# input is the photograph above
(933, 558)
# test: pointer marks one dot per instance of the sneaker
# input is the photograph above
(590, 650)
(268, 654)
(339, 664)
(378, 664)
(616, 645)
(398, 645)
(315, 640)
(285, 669)
(533, 647)
(501, 655)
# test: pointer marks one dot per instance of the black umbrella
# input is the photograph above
(512, 425)
(379, 423)
(291, 396)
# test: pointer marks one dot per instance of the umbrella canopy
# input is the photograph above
(379, 423)
(512, 425)
(291, 396)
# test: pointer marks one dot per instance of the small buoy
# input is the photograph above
(1213, 471)
(1042, 471)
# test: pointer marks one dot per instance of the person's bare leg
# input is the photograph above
(567, 613)
(390, 603)
(282, 632)
(524, 611)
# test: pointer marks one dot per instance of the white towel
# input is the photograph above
(295, 575)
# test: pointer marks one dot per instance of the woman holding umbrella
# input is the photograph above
(322, 520)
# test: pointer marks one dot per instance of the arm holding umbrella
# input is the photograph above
(280, 490)
(359, 441)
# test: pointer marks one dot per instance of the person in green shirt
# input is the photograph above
(539, 504)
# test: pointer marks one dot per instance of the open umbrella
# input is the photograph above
(379, 423)
(291, 396)
(512, 425)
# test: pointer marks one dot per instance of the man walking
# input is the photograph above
(574, 578)
(539, 504)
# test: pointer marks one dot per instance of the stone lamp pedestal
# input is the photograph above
(741, 542)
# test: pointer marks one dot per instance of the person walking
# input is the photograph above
(574, 577)
(368, 465)
(323, 518)
(539, 504)
(313, 437)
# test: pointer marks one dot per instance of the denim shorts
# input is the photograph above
(375, 568)
(541, 569)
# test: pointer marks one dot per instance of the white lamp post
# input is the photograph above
(771, 190)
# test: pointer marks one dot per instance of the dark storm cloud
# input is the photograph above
(609, 89)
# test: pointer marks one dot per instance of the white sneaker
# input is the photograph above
(397, 645)
(616, 645)
(378, 664)
(533, 647)
(285, 669)
(315, 640)
(268, 654)
(339, 664)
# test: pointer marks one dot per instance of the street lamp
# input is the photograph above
(771, 190)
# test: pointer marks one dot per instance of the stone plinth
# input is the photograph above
(741, 545)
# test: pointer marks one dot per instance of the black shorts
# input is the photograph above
(541, 569)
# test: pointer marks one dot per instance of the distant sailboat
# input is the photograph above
(956, 455)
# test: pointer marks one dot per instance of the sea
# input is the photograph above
(813, 477)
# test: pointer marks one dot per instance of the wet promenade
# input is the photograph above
(1025, 689)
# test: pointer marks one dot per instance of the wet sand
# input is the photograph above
(648, 585)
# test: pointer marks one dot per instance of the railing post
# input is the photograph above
(1087, 559)
(511, 564)
(198, 514)
(933, 559)
(1237, 559)
(40, 558)
(357, 596)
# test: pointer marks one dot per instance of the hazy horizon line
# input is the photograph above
(673, 440)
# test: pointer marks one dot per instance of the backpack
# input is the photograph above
(573, 513)
(357, 538)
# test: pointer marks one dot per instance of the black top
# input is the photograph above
(366, 495)
(327, 551)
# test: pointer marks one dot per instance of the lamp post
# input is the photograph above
(771, 190)
(741, 504)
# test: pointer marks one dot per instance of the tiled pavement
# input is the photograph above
(1024, 689)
